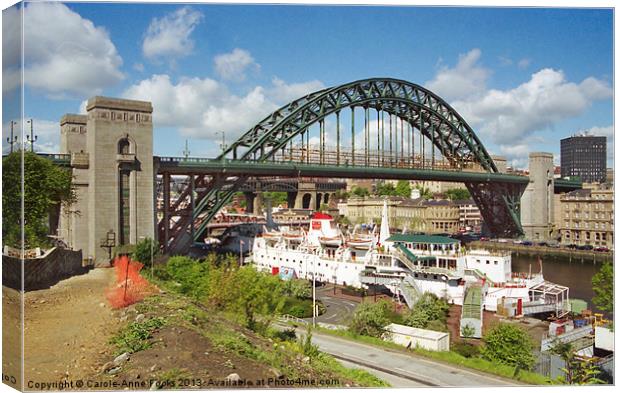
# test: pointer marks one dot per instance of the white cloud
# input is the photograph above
(73, 56)
(283, 92)
(524, 63)
(138, 67)
(465, 79)
(200, 108)
(609, 133)
(508, 116)
(169, 36)
(233, 65)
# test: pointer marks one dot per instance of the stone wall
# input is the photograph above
(42, 272)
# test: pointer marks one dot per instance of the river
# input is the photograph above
(574, 274)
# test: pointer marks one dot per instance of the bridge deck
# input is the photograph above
(182, 166)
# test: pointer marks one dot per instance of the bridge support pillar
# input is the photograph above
(249, 200)
(291, 199)
(258, 203)
(537, 212)
(500, 206)
(166, 210)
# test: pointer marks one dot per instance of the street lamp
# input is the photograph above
(314, 291)
(12, 139)
(223, 145)
(31, 138)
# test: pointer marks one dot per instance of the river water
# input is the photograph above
(575, 274)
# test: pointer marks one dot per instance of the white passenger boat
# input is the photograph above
(407, 264)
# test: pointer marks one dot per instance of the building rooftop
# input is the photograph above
(411, 238)
(415, 332)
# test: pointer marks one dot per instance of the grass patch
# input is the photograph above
(450, 357)
(137, 336)
(170, 379)
(222, 327)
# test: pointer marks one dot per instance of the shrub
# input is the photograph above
(144, 250)
(301, 289)
(466, 349)
(509, 344)
(370, 319)
(429, 312)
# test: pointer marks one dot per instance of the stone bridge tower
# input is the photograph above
(115, 179)
(537, 200)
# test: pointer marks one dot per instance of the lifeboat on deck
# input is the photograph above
(295, 237)
(360, 243)
(330, 241)
(272, 235)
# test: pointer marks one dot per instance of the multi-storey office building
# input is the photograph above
(584, 156)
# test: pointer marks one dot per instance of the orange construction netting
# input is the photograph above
(130, 286)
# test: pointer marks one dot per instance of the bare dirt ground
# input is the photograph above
(536, 328)
(66, 327)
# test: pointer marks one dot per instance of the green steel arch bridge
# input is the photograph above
(379, 128)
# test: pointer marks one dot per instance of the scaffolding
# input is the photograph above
(548, 297)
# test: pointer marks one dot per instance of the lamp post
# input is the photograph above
(223, 145)
(314, 291)
(186, 151)
(31, 138)
(12, 139)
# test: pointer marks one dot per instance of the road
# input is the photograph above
(337, 311)
(401, 369)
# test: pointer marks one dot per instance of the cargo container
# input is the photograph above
(413, 337)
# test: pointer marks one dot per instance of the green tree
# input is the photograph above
(403, 188)
(370, 319)
(250, 293)
(577, 371)
(145, 250)
(456, 194)
(385, 189)
(360, 191)
(508, 344)
(46, 187)
(603, 287)
(301, 289)
(429, 311)
(277, 197)
(341, 194)
(425, 193)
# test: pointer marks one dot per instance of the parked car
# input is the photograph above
(484, 239)
(542, 244)
(518, 241)
(586, 247)
(527, 243)
(601, 249)
(502, 240)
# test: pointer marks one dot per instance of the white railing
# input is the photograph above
(548, 342)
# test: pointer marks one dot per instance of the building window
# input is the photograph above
(123, 146)
(124, 206)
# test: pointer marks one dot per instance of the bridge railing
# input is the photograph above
(314, 157)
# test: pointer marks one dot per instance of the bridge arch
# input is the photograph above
(419, 107)
(497, 195)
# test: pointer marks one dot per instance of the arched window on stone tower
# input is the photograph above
(123, 146)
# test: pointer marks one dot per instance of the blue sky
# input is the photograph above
(523, 78)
